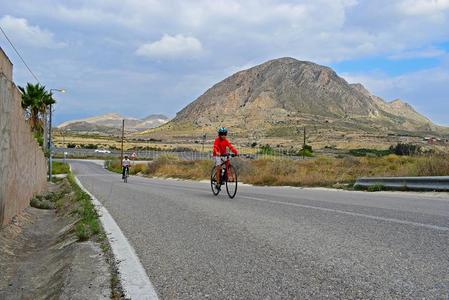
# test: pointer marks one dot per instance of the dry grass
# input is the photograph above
(322, 171)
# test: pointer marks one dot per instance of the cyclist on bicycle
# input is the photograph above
(220, 148)
(125, 165)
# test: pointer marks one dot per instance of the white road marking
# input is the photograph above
(134, 279)
(429, 226)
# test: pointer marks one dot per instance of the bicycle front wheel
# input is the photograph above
(213, 182)
(231, 182)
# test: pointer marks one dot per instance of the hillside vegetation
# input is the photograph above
(321, 171)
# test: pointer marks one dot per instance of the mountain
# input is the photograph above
(111, 123)
(280, 96)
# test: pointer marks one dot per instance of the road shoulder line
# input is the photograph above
(355, 214)
(134, 279)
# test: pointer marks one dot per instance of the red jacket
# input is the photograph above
(220, 146)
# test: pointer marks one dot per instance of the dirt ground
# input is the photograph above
(40, 258)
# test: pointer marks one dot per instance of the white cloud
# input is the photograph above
(426, 90)
(227, 35)
(23, 33)
(265, 28)
(424, 7)
(430, 52)
(177, 46)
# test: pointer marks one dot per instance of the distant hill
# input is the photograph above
(280, 96)
(111, 123)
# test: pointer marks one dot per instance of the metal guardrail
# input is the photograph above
(430, 183)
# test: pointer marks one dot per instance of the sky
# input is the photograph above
(139, 57)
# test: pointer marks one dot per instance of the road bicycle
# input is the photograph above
(228, 176)
(126, 175)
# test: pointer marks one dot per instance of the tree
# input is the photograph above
(35, 100)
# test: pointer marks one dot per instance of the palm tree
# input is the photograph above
(35, 101)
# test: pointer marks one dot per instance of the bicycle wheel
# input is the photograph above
(125, 179)
(231, 182)
(213, 182)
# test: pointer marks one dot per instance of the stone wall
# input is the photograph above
(23, 166)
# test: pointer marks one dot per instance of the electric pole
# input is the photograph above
(123, 136)
(204, 140)
(304, 144)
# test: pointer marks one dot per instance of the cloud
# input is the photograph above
(177, 46)
(424, 7)
(227, 35)
(23, 33)
(430, 52)
(427, 90)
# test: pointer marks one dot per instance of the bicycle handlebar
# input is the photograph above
(229, 155)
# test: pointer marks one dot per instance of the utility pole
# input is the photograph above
(50, 158)
(204, 140)
(45, 130)
(304, 144)
(123, 136)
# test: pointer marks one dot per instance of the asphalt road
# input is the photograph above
(279, 243)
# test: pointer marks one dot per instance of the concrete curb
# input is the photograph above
(133, 277)
(430, 183)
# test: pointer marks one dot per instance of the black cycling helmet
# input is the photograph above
(126, 156)
(222, 131)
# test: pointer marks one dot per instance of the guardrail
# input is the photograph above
(430, 183)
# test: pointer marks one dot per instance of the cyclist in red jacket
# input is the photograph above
(220, 148)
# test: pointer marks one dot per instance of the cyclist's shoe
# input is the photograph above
(218, 187)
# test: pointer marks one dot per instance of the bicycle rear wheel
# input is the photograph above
(213, 182)
(231, 182)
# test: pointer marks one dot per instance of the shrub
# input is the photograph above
(59, 168)
(42, 203)
(266, 150)
(91, 146)
(88, 224)
(376, 187)
(432, 166)
(369, 152)
(405, 149)
(39, 138)
(305, 152)
(71, 145)
(137, 168)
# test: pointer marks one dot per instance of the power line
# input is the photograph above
(20, 56)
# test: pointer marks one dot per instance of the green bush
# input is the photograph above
(59, 168)
(376, 187)
(266, 150)
(41, 203)
(88, 224)
(39, 138)
(405, 149)
(306, 151)
(369, 152)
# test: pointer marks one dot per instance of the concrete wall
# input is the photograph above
(23, 166)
